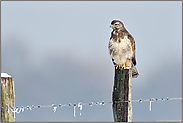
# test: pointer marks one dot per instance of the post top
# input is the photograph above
(5, 75)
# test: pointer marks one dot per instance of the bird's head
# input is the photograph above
(116, 24)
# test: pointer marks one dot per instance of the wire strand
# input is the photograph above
(80, 104)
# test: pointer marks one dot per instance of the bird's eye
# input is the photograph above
(115, 24)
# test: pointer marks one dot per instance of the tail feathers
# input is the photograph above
(135, 73)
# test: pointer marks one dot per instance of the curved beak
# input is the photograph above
(111, 25)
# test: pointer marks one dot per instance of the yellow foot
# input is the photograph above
(123, 67)
(117, 66)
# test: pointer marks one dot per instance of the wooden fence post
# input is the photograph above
(7, 97)
(122, 91)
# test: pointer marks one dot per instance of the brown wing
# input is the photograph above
(130, 37)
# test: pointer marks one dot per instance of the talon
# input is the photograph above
(117, 66)
(123, 67)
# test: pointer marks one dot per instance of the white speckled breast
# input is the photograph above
(120, 50)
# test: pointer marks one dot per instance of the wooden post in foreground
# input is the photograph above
(122, 91)
(7, 97)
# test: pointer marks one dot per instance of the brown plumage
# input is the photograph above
(122, 47)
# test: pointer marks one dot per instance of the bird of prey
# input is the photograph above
(122, 48)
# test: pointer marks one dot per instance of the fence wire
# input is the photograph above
(80, 105)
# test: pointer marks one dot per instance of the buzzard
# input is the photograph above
(122, 48)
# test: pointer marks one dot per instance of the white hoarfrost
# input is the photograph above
(5, 75)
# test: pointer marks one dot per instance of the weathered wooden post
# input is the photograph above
(122, 107)
(7, 97)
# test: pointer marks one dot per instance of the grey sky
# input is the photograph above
(57, 53)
